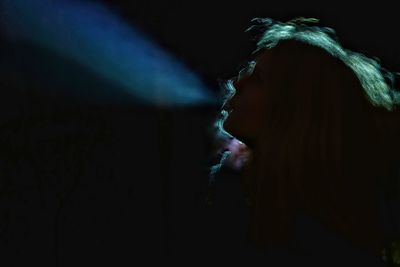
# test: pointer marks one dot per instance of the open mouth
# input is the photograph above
(239, 153)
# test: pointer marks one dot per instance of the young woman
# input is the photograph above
(323, 128)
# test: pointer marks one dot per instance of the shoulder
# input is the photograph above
(320, 246)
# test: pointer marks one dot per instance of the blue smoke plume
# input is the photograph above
(96, 38)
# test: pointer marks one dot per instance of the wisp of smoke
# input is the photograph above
(98, 39)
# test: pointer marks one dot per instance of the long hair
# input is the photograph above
(327, 142)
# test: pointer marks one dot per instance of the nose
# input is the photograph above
(240, 81)
(238, 84)
(232, 101)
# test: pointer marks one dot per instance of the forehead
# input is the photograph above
(263, 60)
(283, 52)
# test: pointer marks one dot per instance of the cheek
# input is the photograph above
(253, 120)
(253, 107)
(246, 119)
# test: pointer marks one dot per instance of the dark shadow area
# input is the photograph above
(89, 176)
(90, 180)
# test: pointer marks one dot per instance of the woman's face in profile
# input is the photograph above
(248, 103)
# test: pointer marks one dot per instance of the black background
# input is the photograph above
(85, 184)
